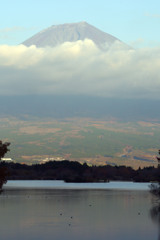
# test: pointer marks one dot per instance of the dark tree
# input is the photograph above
(3, 170)
(155, 187)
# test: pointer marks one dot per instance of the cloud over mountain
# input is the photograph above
(80, 68)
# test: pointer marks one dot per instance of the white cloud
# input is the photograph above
(80, 68)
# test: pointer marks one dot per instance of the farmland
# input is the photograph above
(88, 140)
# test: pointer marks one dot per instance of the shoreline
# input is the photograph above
(60, 184)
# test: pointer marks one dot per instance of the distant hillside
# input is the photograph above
(79, 106)
(58, 34)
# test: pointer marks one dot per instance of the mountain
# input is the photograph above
(58, 34)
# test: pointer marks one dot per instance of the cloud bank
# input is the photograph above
(80, 68)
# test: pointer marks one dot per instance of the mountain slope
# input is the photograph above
(58, 34)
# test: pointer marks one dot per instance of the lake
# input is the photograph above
(44, 210)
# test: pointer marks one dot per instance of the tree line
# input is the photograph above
(73, 171)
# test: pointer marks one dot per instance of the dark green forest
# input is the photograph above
(73, 171)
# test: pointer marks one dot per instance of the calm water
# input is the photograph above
(75, 214)
(49, 184)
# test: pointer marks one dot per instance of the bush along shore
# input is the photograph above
(73, 171)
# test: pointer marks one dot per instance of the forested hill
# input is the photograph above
(70, 171)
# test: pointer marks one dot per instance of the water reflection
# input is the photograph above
(75, 214)
(155, 215)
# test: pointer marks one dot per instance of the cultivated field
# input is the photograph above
(133, 144)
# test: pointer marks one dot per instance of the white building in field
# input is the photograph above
(53, 159)
(7, 159)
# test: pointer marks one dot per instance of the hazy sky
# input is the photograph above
(80, 67)
(132, 21)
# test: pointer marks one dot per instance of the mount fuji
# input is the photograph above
(71, 32)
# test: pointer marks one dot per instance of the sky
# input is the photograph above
(134, 22)
(80, 67)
